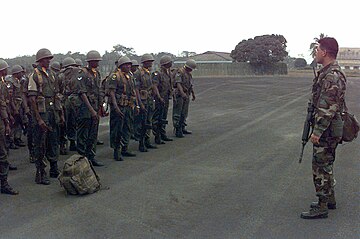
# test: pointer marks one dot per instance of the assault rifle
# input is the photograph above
(309, 123)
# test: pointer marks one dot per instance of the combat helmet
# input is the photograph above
(93, 56)
(78, 62)
(68, 61)
(146, 57)
(165, 60)
(135, 63)
(42, 54)
(3, 65)
(123, 60)
(16, 69)
(55, 65)
(190, 64)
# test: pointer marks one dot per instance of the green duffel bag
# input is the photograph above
(78, 176)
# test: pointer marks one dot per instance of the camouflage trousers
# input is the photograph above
(322, 167)
(46, 143)
(180, 111)
(160, 117)
(143, 121)
(4, 164)
(70, 119)
(121, 128)
(87, 132)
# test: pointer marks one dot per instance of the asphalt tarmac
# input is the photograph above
(236, 176)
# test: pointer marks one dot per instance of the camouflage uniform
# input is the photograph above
(67, 79)
(181, 105)
(19, 107)
(120, 128)
(328, 97)
(44, 86)
(162, 79)
(143, 120)
(88, 82)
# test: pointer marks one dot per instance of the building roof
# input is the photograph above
(210, 56)
(348, 53)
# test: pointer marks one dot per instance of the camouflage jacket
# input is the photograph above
(89, 82)
(328, 94)
(162, 79)
(185, 79)
(124, 87)
(3, 105)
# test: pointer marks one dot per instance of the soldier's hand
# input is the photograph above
(62, 120)
(94, 115)
(193, 97)
(315, 139)
(7, 129)
(11, 119)
(43, 126)
(142, 107)
(121, 114)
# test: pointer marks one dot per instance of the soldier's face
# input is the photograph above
(125, 67)
(134, 68)
(320, 54)
(93, 64)
(3, 72)
(45, 62)
(168, 65)
(148, 64)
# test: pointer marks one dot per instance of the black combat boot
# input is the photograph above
(117, 156)
(63, 149)
(13, 146)
(7, 189)
(317, 212)
(126, 153)
(165, 138)
(96, 163)
(185, 131)
(99, 142)
(72, 146)
(12, 167)
(158, 139)
(149, 145)
(54, 171)
(179, 133)
(19, 142)
(142, 147)
(41, 177)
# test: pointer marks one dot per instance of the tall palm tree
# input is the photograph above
(314, 44)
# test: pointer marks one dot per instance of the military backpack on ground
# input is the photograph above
(78, 176)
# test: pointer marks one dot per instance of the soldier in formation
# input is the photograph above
(61, 102)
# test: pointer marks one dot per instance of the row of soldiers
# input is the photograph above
(57, 103)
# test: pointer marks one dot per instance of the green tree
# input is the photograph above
(262, 50)
(123, 51)
(300, 63)
(187, 54)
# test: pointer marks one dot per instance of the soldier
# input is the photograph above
(4, 130)
(19, 106)
(328, 94)
(145, 89)
(45, 106)
(56, 67)
(183, 88)
(122, 97)
(79, 62)
(162, 80)
(89, 92)
(66, 79)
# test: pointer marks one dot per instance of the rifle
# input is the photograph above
(309, 122)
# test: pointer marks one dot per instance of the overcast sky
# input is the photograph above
(152, 26)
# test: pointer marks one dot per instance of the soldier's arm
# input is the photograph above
(328, 104)
(4, 115)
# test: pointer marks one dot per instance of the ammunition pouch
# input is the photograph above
(41, 104)
(17, 103)
(144, 94)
